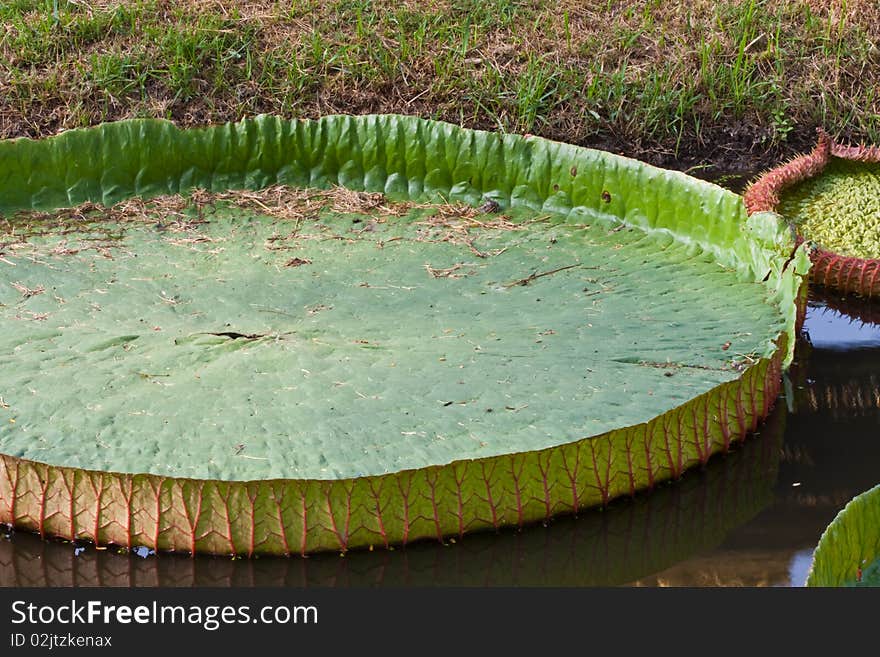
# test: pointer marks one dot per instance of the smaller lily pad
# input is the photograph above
(831, 198)
(848, 553)
(839, 209)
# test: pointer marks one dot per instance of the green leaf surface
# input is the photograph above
(848, 553)
(192, 389)
(359, 361)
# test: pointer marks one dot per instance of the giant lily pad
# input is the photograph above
(294, 371)
(831, 196)
(848, 553)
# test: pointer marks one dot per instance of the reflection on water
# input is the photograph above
(840, 323)
(751, 517)
(799, 567)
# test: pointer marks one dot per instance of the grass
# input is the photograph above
(684, 83)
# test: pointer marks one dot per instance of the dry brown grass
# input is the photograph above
(178, 218)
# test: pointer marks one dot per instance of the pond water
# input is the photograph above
(752, 517)
(830, 453)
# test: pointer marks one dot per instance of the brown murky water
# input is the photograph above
(750, 518)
